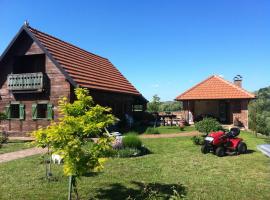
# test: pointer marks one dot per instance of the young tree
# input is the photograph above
(80, 120)
(154, 105)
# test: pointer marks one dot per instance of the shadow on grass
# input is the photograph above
(19, 141)
(140, 190)
(92, 174)
(249, 151)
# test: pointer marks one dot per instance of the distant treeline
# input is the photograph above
(155, 105)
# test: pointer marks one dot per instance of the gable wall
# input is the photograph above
(58, 87)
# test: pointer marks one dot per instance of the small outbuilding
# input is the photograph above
(218, 98)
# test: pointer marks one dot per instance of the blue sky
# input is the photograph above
(162, 47)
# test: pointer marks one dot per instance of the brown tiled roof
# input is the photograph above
(215, 87)
(85, 68)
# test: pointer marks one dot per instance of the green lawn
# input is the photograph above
(174, 162)
(15, 145)
(166, 129)
(174, 129)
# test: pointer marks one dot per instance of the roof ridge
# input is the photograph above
(195, 86)
(228, 83)
(46, 41)
(235, 86)
(68, 43)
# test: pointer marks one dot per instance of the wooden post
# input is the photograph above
(188, 112)
(256, 120)
(70, 188)
(50, 162)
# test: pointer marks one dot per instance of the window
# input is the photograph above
(15, 110)
(42, 111)
(137, 108)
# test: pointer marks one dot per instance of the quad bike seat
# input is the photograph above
(234, 132)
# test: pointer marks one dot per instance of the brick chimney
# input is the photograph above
(237, 80)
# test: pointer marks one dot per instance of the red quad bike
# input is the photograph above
(222, 143)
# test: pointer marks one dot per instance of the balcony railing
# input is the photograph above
(34, 82)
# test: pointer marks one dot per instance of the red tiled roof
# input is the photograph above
(86, 69)
(215, 87)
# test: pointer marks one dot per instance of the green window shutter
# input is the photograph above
(49, 111)
(22, 112)
(34, 111)
(8, 111)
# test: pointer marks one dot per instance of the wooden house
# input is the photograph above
(36, 69)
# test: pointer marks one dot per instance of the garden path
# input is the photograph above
(20, 154)
(171, 135)
(34, 151)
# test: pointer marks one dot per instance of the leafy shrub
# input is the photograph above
(208, 125)
(182, 128)
(151, 130)
(3, 137)
(2, 116)
(198, 140)
(131, 140)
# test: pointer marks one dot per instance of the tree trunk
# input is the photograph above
(70, 188)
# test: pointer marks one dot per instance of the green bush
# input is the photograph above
(182, 128)
(132, 140)
(3, 137)
(151, 130)
(2, 116)
(198, 140)
(208, 125)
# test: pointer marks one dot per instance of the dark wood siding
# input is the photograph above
(57, 87)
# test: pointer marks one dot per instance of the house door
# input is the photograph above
(223, 112)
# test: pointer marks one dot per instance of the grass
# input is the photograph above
(166, 130)
(174, 129)
(15, 145)
(175, 162)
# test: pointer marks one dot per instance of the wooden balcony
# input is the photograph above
(27, 82)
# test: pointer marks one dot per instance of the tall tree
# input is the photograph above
(154, 105)
(259, 112)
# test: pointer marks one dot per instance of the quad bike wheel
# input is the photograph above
(205, 149)
(241, 148)
(220, 151)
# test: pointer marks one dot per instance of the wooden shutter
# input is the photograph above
(7, 108)
(49, 111)
(34, 111)
(22, 111)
